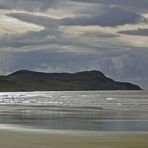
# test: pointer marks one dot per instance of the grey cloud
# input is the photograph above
(27, 39)
(138, 32)
(32, 40)
(133, 66)
(111, 17)
(3, 7)
(143, 4)
(100, 35)
(48, 35)
(42, 60)
(39, 20)
(51, 35)
(29, 5)
(107, 54)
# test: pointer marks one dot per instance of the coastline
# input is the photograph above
(20, 125)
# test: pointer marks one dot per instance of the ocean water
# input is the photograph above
(76, 110)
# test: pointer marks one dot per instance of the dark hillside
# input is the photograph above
(24, 80)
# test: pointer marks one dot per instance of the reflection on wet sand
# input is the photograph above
(26, 139)
(75, 118)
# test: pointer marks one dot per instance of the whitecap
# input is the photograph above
(110, 99)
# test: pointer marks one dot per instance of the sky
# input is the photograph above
(76, 35)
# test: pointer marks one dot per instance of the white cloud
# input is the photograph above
(11, 26)
(118, 64)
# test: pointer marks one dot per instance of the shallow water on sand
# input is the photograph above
(76, 110)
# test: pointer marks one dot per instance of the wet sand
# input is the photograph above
(23, 115)
(38, 139)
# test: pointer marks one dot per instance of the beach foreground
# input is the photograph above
(26, 139)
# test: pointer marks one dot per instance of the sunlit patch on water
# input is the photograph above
(89, 110)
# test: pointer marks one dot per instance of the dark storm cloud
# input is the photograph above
(143, 4)
(138, 32)
(111, 17)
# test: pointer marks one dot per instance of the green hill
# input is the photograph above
(24, 80)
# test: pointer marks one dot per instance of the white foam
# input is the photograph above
(119, 104)
(110, 99)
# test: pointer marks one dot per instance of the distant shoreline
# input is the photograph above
(72, 91)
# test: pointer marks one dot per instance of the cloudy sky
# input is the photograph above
(76, 35)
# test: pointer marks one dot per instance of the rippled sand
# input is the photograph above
(37, 139)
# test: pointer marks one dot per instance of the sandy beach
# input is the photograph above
(121, 122)
(61, 139)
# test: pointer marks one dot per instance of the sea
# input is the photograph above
(76, 110)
